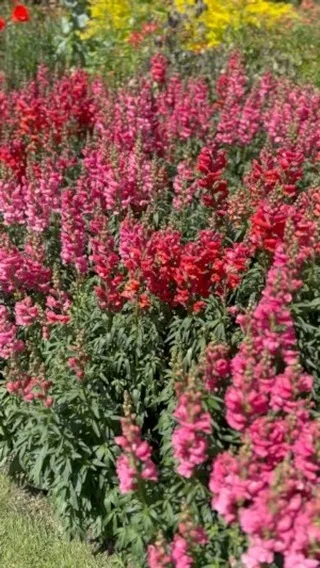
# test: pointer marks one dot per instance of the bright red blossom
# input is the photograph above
(20, 13)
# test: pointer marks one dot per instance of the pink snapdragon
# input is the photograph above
(184, 185)
(159, 64)
(270, 330)
(215, 366)
(189, 439)
(269, 485)
(26, 312)
(12, 202)
(41, 190)
(73, 233)
(58, 304)
(19, 271)
(106, 261)
(30, 388)
(9, 343)
(186, 540)
(180, 552)
(158, 556)
(135, 463)
(230, 90)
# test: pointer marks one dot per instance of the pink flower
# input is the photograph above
(159, 64)
(135, 463)
(179, 553)
(256, 556)
(52, 317)
(269, 486)
(58, 301)
(127, 474)
(9, 343)
(73, 233)
(149, 471)
(196, 534)
(29, 397)
(157, 556)
(300, 561)
(26, 312)
(190, 449)
(215, 366)
(189, 440)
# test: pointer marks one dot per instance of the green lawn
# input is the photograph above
(31, 538)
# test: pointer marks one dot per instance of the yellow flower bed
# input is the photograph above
(121, 16)
(205, 23)
(208, 28)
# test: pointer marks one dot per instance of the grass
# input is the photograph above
(30, 536)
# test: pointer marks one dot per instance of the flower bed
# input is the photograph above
(160, 249)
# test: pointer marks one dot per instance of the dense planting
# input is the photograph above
(159, 273)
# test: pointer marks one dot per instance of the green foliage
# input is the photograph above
(306, 312)
(25, 46)
(69, 450)
(72, 23)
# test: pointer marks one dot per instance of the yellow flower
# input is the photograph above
(107, 15)
(201, 28)
(220, 15)
(120, 16)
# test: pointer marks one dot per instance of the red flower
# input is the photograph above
(135, 39)
(20, 13)
(2, 24)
